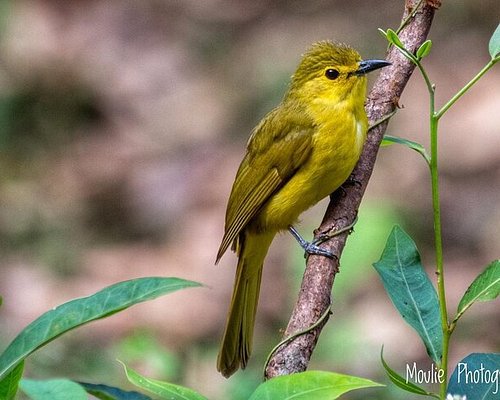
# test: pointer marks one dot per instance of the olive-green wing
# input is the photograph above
(269, 163)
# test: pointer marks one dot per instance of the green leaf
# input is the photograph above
(390, 140)
(494, 45)
(476, 377)
(163, 389)
(393, 38)
(55, 389)
(485, 287)
(410, 289)
(80, 311)
(10, 384)
(424, 49)
(105, 392)
(318, 385)
(401, 382)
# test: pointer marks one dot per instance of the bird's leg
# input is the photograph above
(310, 247)
(323, 237)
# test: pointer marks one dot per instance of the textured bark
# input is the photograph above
(314, 296)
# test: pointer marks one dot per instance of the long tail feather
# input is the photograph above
(236, 343)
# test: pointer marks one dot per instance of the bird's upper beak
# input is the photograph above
(371, 65)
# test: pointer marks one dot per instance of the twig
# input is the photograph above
(314, 296)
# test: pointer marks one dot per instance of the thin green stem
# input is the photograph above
(462, 91)
(410, 16)
(438, 241)
(430, 86)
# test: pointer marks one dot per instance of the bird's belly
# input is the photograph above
(334, 155)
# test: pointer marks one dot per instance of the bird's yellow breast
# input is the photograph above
(337, 143)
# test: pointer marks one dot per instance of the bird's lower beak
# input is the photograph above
(371, 65)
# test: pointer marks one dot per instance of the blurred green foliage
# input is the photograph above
(142, 348)
(39, 117)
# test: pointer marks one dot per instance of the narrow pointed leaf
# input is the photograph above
(80, 311)
(382, 32)
(401, 382)
(105, 392)
(390, 140)
(485, 287)
(318, 385)
(476, 377)
(164, 390)
(394, 38)
(55, 389)
(410, 290)
(10, 384)
(424, 49)
(494, 46)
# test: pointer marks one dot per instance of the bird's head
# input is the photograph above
(333, 72)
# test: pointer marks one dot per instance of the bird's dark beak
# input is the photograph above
(371, 65)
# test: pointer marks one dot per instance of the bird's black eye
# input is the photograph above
(332, 74)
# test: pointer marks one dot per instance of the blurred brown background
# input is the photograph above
(121, 128)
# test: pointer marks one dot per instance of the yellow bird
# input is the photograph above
(301, 151)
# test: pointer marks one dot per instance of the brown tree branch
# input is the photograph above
(314, 296)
